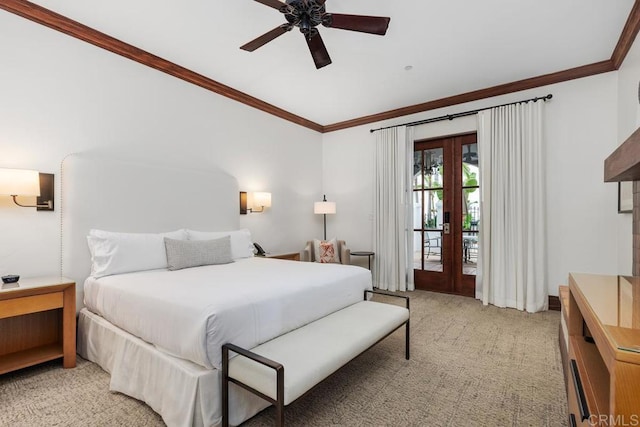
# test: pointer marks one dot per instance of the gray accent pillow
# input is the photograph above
(194, 253)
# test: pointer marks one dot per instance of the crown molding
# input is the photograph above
(627, 37)
(544, 80)
(53, 20)
(82, 32)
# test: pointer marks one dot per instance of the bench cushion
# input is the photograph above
(313, 352)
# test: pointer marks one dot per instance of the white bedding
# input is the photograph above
(190, 313)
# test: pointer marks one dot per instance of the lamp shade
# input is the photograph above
(261, 199)
(19, 182)
(324, 207)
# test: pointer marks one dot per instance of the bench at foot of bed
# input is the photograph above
(310, 354)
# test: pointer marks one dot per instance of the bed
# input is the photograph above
(159, 332)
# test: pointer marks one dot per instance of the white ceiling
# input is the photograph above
(454, 46)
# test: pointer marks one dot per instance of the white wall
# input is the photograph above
(581, 129)
(628, 122)
(59, 95)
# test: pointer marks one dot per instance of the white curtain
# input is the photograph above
(393, 222)
(512, 262)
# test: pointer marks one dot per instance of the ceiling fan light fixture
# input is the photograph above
(305, 26)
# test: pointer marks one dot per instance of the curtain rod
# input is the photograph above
(463, 114)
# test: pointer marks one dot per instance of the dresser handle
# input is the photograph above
(582, 401)
(572, 420)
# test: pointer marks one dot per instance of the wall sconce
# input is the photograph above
(23, 182)
(254, 202)
(324, 208)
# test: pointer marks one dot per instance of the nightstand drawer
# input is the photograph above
(31, 304)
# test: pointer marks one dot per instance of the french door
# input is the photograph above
(446, 214)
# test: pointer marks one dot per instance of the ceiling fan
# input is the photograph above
(307, 15)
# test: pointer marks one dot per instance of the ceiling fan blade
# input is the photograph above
(266, 38)
(364, 24)
(272, 3)
(318, 51)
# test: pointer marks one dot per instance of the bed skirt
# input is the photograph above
(183, 393)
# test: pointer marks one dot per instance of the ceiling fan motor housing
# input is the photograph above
(306, 15)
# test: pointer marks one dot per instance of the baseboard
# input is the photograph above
(554, 303)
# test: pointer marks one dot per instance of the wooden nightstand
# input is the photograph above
(37, 322)
(293, 256)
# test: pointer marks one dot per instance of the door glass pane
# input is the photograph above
(417, 250)
(427, 201)
(433, 217)
(470, 208)
(470, 250)
(417, 209)
(433, 220)
(433, 250)
(433, 168)
(417, 226)
(418, 175)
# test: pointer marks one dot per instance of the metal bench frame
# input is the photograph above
(279, 368)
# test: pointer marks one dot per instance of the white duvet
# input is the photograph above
(191, 313)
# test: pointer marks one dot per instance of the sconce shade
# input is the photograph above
(324, 208)
(261, 199)
(19, 182)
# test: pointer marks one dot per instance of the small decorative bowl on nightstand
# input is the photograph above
(11, 278)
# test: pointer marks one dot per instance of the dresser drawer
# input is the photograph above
(575, 419)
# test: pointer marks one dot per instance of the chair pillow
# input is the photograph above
(116, 253)
(241, 243)
(195, 253)
(326, 251)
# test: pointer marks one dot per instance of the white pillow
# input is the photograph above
(116, 253)
(326, 251)
(241, 243)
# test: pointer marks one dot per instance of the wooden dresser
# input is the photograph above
(604, 350)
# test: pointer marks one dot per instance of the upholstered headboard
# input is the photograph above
(126, 196)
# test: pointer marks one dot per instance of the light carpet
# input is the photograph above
(470, 366)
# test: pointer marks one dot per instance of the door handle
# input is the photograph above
(446, 226)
